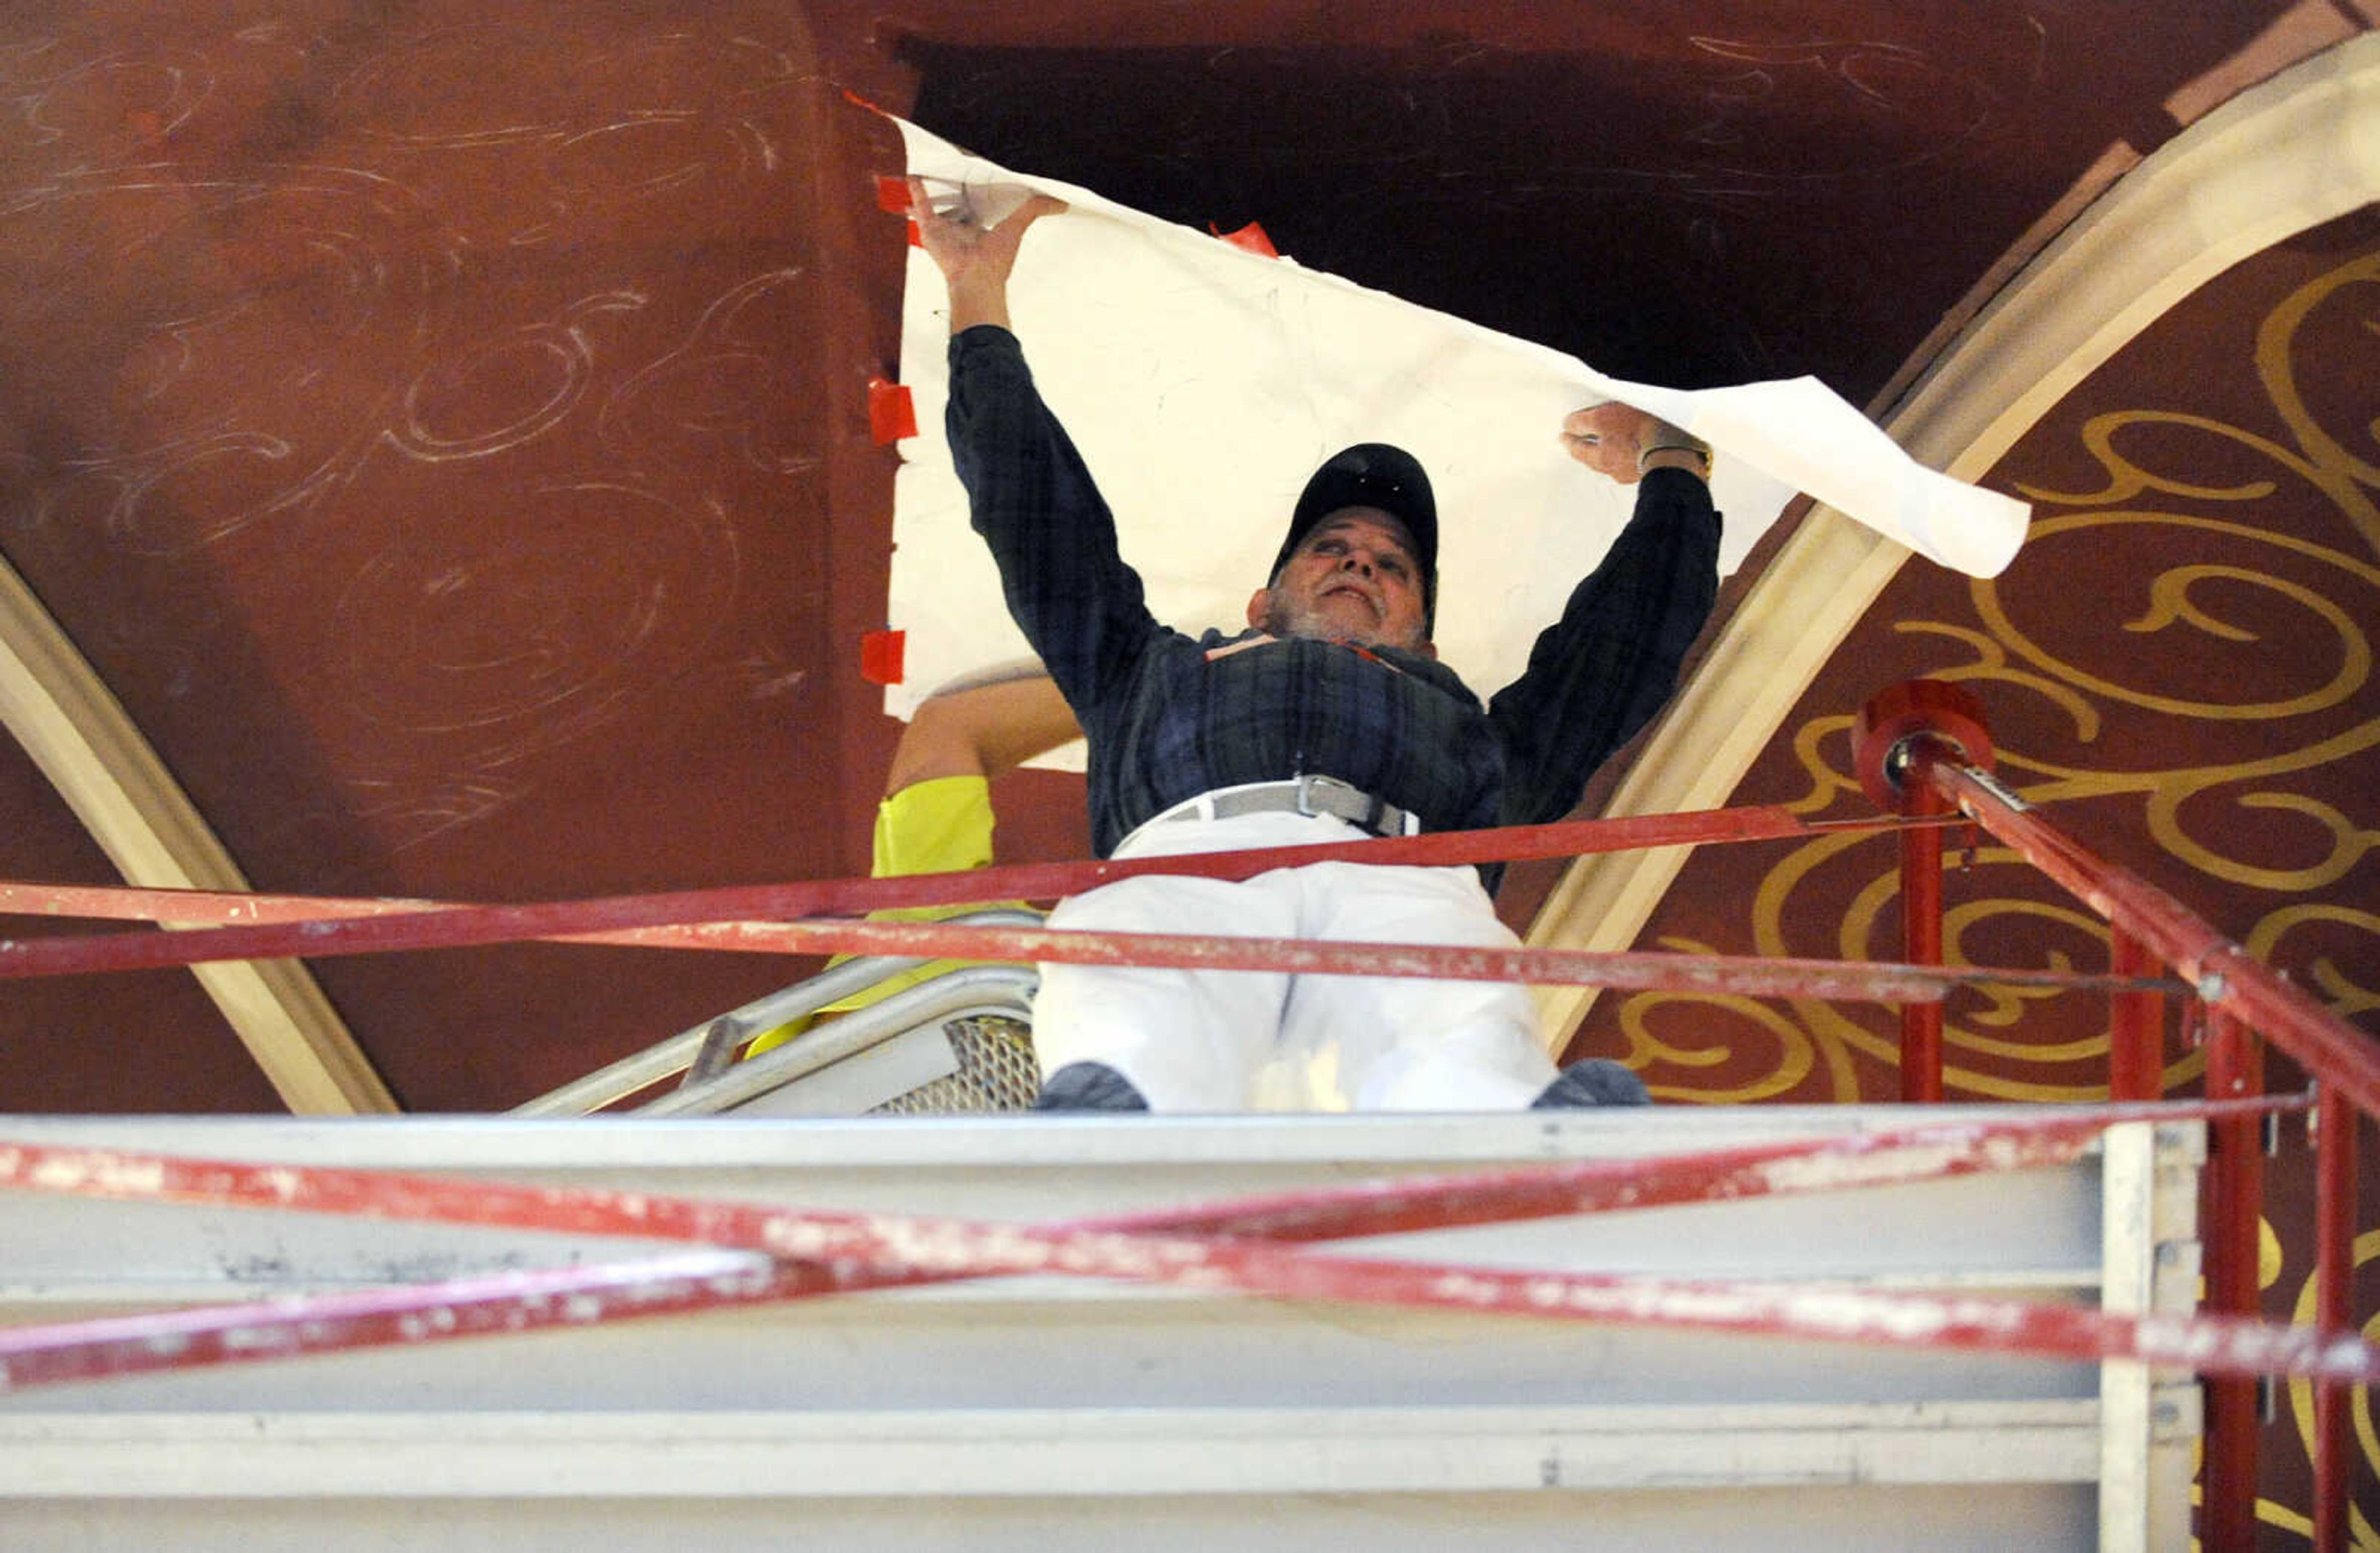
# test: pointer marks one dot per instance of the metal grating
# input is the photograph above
(997, 1072)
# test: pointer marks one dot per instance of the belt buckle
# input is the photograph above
(1370, 819)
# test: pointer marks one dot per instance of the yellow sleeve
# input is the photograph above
(937, 826)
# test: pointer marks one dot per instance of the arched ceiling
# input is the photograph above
(444, 441)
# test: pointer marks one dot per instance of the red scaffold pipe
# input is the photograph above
(2335, 1455)
(892, 1250)
(454, 927)
(2233, 1190)
(1031, 882)
(2226, 976)
(841, 1253)
(2135, 1025)
(1891, 1157)
(1921, 945)
(362, 927)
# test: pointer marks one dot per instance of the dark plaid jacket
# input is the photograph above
(1169, 715)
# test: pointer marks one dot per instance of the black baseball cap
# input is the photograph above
(1373, 474)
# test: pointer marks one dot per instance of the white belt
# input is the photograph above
(1305, 795)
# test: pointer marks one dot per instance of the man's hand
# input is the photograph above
(974, 261)
(1612, 439)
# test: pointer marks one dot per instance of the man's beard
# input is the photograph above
(1287, 617)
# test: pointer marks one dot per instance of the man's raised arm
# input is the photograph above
(1601, 672)
(1030, 493)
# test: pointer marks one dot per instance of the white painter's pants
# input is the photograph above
(1255, 1040)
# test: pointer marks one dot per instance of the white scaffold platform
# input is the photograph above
(1037, 1413)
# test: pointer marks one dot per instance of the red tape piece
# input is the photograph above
(882, 656)
(1251, 237)
(892, 198)
(892, 413)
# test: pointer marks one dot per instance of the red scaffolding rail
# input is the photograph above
(1923, 755)
(756, 1253)
(1924, 751)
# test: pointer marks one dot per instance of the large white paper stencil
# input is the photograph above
(1203, 383)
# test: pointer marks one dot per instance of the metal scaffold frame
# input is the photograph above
(1923, 755)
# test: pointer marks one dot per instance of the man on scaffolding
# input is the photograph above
(1328, 720)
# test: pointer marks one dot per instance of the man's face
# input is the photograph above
(1354, 580)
